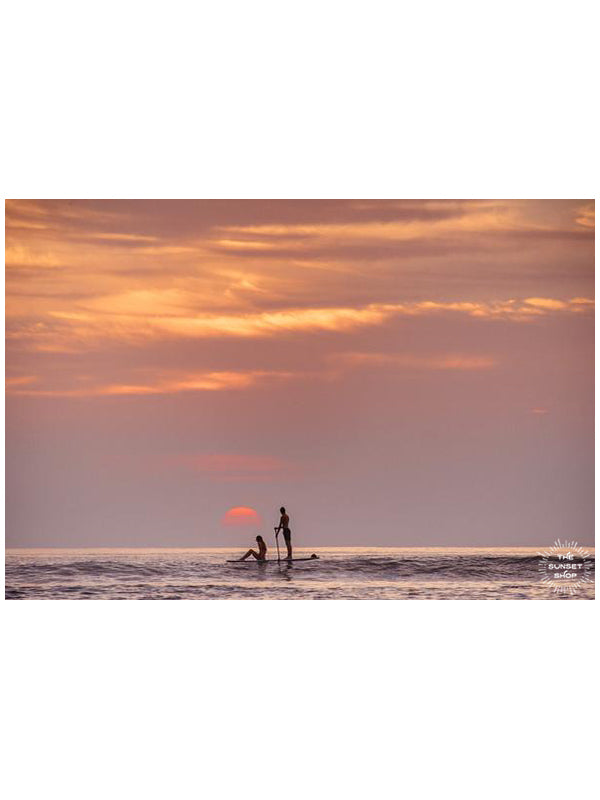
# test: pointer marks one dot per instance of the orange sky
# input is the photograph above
(396, 372)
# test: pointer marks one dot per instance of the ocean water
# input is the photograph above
(340, 574)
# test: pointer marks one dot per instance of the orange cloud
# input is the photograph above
(23, 380)
(160, 384)
(173, 382)
(430, 221)
(418, 362)
(152, 315)
(587, 216)
(106, 278)
(546, 303)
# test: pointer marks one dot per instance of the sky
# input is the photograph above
(402, 373)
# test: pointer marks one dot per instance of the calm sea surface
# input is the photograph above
(339, 574)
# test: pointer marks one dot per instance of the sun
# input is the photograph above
(242, 517)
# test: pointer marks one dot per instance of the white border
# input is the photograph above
(308, 699)
(319, 99)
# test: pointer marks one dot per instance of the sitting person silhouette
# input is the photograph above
(262, 551)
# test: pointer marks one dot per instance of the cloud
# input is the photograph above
(148, 382)
(546, 303)
(156, 384)
(23, 380)
(190, 217)
(412, 361)
(469, 226)
(144, 316)
(226, 291)
(586, 216)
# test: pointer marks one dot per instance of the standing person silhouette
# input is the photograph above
(284, 525)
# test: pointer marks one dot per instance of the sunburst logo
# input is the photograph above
(565, 567)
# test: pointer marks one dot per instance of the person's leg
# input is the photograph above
(288, 542)
(248, 554)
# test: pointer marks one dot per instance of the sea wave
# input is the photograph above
(336, 574)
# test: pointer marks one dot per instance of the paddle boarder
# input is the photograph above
(262, 551)
(284, 525)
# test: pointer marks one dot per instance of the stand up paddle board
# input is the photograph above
(271, 561)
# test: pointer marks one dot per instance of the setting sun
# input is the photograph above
(242, 517)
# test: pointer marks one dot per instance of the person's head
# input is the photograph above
(282, 509)
(259, 539)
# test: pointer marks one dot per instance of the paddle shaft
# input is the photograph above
(277, 543)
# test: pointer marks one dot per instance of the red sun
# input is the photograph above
(242, 517)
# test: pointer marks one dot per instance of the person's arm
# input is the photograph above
(279, 527)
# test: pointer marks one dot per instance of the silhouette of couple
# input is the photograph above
(284, 525)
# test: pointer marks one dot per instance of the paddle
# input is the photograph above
(277, 543)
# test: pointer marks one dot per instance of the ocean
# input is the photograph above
(380, 573)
